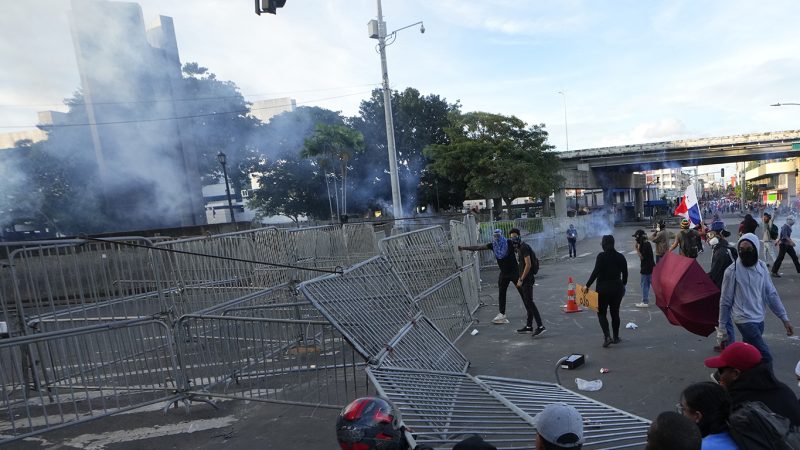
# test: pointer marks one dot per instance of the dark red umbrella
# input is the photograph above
(686, 294)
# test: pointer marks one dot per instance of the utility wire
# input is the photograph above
(188, 99)
(226, 258)
(162, 119)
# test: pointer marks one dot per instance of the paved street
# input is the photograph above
(647, 370)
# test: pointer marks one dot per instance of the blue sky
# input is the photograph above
(632, 71)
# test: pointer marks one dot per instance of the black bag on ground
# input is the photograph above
(755, 427)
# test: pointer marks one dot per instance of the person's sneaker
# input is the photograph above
(539, 330)
(607, 341)
(616, 340)
(775, 275)
(642, 305)
(524, 330)
(500, 319)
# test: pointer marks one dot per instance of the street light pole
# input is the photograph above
(785, 104)
(397, 207)
(222, 158)
(566, 127)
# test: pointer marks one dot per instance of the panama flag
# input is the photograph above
(689, 208)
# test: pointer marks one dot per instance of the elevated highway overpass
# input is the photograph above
(611, 168)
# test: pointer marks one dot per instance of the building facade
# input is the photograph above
(130, 75)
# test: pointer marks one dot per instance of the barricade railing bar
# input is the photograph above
(421, 258)
(445, 304)
(277, 360)
(51, 380)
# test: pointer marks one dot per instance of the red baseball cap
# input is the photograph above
(739, 355)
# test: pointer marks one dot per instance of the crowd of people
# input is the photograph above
(743, 373)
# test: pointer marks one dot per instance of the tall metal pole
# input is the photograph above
(397, 207)
(566, 127)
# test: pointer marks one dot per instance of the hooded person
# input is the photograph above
(611, 273)
(746, 293)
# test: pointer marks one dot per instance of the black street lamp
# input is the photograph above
(222, 160)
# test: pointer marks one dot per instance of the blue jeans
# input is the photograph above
(645, 283)
(751, 333)
(731, 331)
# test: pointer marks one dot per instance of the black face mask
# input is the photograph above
(749, 257)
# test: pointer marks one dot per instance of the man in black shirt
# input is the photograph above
(525, 283)
(509, 270)
(611, 273)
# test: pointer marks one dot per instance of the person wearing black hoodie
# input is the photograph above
(747, 379)
(611, 273)
(724, 255)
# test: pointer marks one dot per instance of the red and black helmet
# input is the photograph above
(369, 423)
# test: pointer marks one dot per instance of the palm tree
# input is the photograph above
(331, 143)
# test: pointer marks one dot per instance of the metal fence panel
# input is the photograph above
(604, 427)
(51, 380)
(289, 361)
(446, 305)
(368, 303)
(71, 283)
(420, 345)
(421, 258)
(444, 408)
(470, 277)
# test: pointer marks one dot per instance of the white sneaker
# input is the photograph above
(500, 319)
(642, 305)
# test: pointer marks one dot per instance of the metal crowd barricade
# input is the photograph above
(51, 380)
(367, 302)
(604, 427)
(72, 283)
(442, 408)
(360, 242)
(305, 362)
(470, 277)
(424, 260)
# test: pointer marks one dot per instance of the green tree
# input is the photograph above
(292, 187)
(419, 120)
(334, 145)
(496, 156)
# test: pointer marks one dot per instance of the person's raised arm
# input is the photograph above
(475, 248)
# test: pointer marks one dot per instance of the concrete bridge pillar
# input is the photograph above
(639, 203)
(791, 189)
(561, 203)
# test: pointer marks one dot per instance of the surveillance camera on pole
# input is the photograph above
(268, 6)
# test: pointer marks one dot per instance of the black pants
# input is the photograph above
(526, 292)
(573, 252)
(784, 249)
(609, 297)
(502, 286)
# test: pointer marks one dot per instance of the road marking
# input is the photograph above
(632, 252)
(101, 440)
(584, 254)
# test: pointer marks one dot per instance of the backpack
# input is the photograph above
(689, 244)
(534, 263)
(754, 427)
(773, 232)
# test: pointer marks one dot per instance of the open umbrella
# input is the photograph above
(686, 294)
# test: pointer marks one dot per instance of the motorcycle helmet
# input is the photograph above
(369, 423)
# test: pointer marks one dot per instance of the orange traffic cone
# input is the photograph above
(572, 305)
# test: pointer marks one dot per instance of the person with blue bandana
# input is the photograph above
(509, 269)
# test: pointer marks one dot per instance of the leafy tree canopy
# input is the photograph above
(496, 156)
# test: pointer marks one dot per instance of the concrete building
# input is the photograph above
(776, 181)
(264, 110)
(10, 139)
(129, 78)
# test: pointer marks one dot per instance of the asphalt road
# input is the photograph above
(647, 371)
